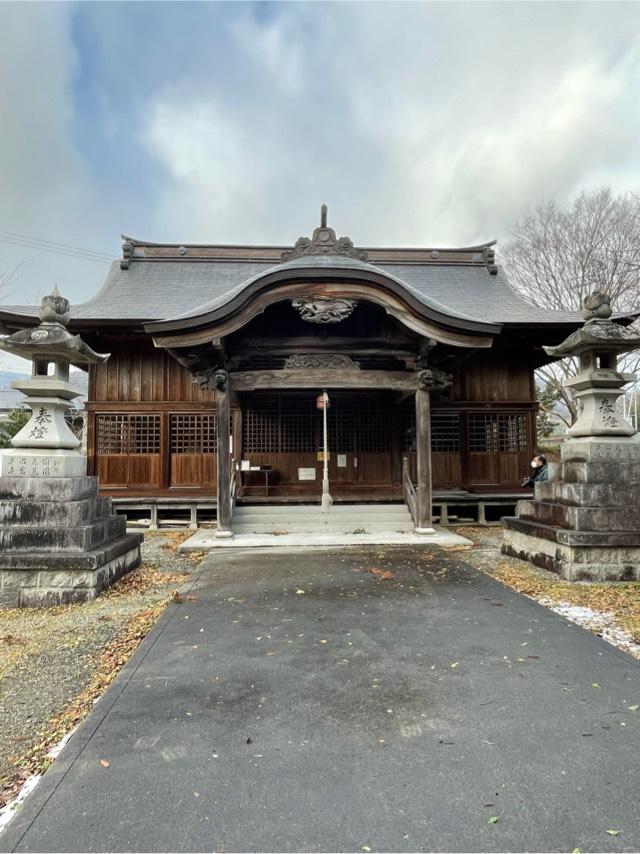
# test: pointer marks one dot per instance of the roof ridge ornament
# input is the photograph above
(324, 242)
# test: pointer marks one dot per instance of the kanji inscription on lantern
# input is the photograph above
(41, 421)
(607, 412)
(34, 466)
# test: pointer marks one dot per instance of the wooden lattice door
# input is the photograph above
(193, 443)
(285, 432)
(360, 439)
(128, 451)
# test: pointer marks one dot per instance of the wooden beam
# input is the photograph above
(322, 378)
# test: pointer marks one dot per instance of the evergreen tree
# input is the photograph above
(16, 420)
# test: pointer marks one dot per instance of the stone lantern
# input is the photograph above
(53, 448)
(59, 541)
(598, 383)
(584, 522)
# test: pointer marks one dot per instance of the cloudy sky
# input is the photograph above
(418, 123)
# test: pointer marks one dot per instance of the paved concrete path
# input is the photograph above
(298, 703)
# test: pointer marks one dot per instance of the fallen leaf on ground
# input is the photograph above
(633, 708)
(12, 640)
(613, 832)
(493, 819)
(180, 597)
(104, 763)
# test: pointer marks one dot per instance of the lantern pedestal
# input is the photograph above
(584, 522)
(59, 541)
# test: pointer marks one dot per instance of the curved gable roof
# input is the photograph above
(159, 284)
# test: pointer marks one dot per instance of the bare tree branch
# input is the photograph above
(557, 257)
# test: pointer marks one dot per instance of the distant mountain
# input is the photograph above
(7, 377)
(78, 378)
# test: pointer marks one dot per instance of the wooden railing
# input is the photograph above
(234, 480)
(409, 491)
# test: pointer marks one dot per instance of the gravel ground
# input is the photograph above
(47, 656)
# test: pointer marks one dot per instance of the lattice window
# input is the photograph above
(194, 434)
(112, 432)
(144, 434)
(497, 433)
(279, 424)
(342, 426)
(445, 432)
(128, 434)
(261, 425)
(298, 418)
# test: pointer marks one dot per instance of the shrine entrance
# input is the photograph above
(283, 430)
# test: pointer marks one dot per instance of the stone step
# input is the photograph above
(42, 538)
(581, 518)
(289, 511)
(54, 514)
(589, 494)
(48, 488)
(341, 519)
(598, 472)
(360, 527)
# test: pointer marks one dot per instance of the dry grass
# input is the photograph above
(621, 599)
(144, 592)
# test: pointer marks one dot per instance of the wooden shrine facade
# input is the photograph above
(153, 431)
(218, 354)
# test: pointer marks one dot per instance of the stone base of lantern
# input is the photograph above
(59, 541)
(584, 523)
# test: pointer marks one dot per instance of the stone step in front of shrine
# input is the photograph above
(341, 519)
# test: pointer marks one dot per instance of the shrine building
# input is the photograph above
(427, 357)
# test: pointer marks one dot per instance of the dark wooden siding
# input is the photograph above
(140, 381)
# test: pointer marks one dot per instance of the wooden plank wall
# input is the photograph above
(140, 379)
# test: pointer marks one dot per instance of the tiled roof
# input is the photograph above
(160, 288)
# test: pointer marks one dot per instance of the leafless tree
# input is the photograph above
(558, 256)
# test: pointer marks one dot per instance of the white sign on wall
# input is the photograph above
(306, 474)
(342, 461)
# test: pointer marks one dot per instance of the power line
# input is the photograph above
(15, 239)
(36, 244)
(56, 251)
(52, 242)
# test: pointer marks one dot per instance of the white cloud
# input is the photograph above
(275, 47)
(45, 185)
(417, 123)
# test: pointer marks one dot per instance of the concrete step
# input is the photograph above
(341, 519)
(291, 509)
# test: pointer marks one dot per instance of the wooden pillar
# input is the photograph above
(223, 407)
(423, 462)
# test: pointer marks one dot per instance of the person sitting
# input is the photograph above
(539, 471)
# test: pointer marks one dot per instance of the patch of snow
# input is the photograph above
(601, 623)
(11, 808)
(7, 812)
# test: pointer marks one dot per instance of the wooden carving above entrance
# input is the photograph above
(320, 360)
(324, 242)
(324, 310)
